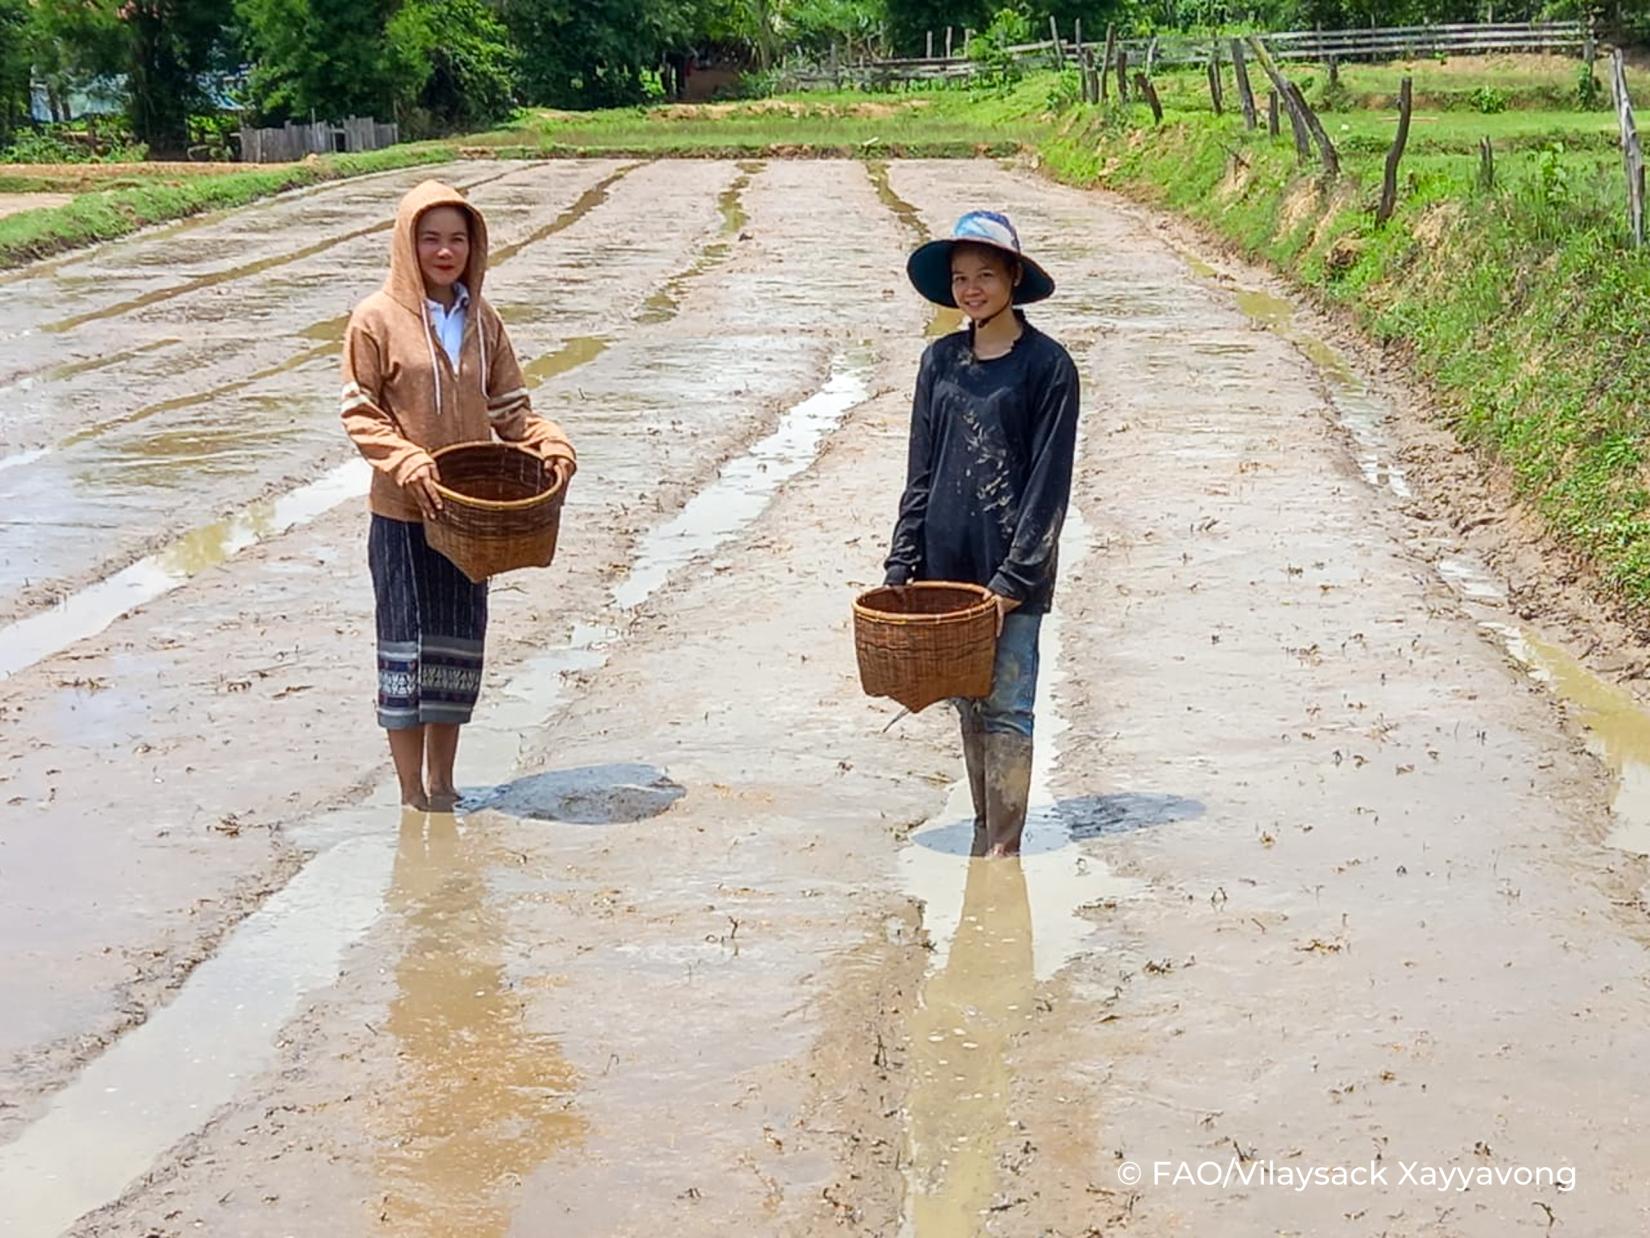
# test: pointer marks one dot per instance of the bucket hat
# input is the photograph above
(930, 266)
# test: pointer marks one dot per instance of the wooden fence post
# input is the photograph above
(1301, 117)
(1214, 80)
(1246, 94)
(1054, 33)
(1122, 75)
(1326, 149)
(1486, 165)
(1272, 112)
(1151, 56)
(1389, 183)
(1077, 37)
(1143, 84)
(1632, 155)
(1107, 62)
(930, 55)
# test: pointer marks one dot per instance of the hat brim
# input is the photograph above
(929, 269)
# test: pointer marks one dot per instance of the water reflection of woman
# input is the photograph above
(971, 1009)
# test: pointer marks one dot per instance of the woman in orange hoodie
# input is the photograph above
(427, 364)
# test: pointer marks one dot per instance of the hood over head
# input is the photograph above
(406, 283)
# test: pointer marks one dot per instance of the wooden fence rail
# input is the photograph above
(1387, 43)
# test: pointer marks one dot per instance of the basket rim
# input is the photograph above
(496, 505)
(951, 616)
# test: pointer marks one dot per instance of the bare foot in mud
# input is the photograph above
(443, 799)
(415, 800)
(1003, 851)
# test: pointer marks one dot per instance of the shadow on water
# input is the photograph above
(1075, 819)
(587, 795)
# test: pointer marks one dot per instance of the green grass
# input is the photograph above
(917, 124)
(106, 214)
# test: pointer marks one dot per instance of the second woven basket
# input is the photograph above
(501, 509)
(925, 642)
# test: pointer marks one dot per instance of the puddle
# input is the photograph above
(587, 201)
(972, 1007)
(1062, 877)
(1618, 729)
(580, 350)
(238, 272)
(745, 485)
(997, 928)
(666, 303)
(164, 1080)
(195, 399)
(481, 1100)
(94, 608)
(588, 795)
(943, 321)
(1363, 413)
(903, 210)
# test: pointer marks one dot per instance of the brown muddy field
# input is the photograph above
(1331, 915)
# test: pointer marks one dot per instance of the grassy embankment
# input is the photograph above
(110, 207)
(1523, 303)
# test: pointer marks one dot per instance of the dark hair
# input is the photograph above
(462, 208)
(1010, 264)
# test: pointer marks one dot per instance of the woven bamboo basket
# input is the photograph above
(501, 509)
(925, 642)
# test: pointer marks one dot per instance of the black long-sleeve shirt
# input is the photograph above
(989, 475)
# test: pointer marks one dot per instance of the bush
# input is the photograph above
(81, 142)
(1589, 90)
(1488, 100)
(997, 68)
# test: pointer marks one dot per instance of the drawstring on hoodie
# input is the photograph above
(429, 342)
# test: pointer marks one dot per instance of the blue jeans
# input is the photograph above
(1008, 710)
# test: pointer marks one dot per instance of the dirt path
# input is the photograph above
(12, 203)
(1316, 875)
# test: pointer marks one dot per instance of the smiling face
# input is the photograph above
(443, 238)
(982, 280)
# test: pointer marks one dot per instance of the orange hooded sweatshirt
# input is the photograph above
(402, 398)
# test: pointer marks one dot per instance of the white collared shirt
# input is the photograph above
(449, 323)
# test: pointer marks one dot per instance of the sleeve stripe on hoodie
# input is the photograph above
(508, 397)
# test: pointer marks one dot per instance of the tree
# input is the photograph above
(592, 53)
(329, 58)
(171, 44)
(15, 63)
(453, 60)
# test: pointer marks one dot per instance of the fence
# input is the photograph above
(292, 142)
(1382, 43)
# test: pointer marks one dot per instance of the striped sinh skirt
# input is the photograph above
(432, 623)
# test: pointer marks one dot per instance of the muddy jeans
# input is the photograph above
(1008, 710)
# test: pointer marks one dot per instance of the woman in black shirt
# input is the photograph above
(993, 435)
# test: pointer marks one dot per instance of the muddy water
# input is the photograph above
(119, 471)
(90, 610)
(484, 1100)
(1616, 723)
(453, 1141)
(666, 303)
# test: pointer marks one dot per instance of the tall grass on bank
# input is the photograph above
(1522, 304)
(108, 214)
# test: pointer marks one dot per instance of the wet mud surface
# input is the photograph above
(1336, 847)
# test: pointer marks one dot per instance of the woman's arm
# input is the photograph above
(374, 431)
(1031, 555)
(905, 555)
(511, 411)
